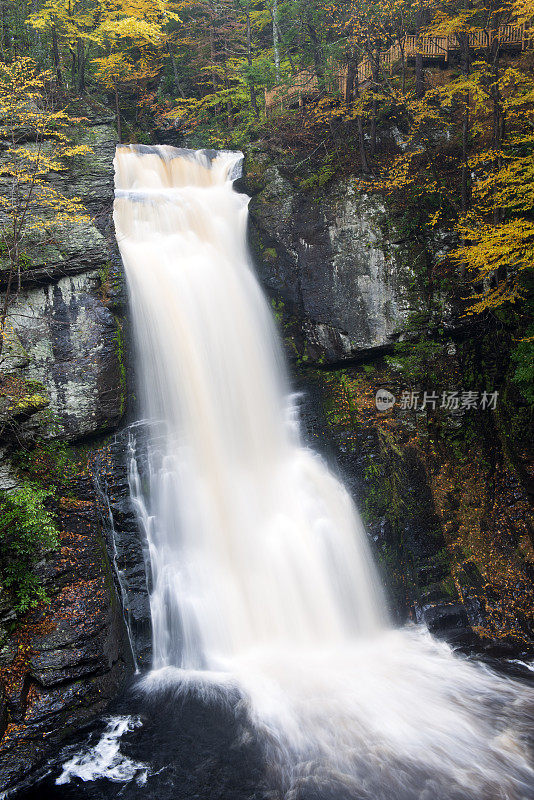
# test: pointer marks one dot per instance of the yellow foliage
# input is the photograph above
(38, 140)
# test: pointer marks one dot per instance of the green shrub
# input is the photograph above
(369, 369)
(27, 529)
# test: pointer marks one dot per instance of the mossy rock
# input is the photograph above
(20, 398)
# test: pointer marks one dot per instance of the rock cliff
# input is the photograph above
(336, 258)
(64, 383)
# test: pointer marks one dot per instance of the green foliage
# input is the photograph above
(104, 273)
(28, 528)
(278, 310)
(46, 462)
(319, 178)
(369, 369)
(417, 360)
(386, 482)
(523, 358)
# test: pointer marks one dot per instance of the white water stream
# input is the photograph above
(262, 582)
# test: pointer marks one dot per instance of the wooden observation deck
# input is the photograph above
(305, 85)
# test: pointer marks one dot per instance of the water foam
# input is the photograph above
(105, 759)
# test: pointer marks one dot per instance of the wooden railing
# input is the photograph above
(305, 85)
(510, 37)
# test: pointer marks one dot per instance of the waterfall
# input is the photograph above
(262, 584)
(252, 542)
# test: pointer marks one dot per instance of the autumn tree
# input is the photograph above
(497, 231)
(71, 27)
(37, 143)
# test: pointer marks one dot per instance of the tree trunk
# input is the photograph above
(72, 66)
(213, 72)
(316, 52)
(352, 78)
(176, 79)
(274, 14)
(351, 93)
(3, 37)
(229, 107)
(5, 306)
(497, 109)
(13, 264)
(419, 74)
(55, 53)
(81, 66)
(361, 143)
(294, 70)
(466, 66)
(7, 35)
(375, 67)
(118, 113)
(251, 84)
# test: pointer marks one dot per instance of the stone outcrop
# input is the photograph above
(334, 258)
(74, 347)
(66, 318)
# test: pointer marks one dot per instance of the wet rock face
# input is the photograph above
(339, 421)
(125, 541)
(448, 519)
(66, 660)
(333, 258)
(91, 177)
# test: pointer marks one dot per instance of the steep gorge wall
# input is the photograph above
(64, 381)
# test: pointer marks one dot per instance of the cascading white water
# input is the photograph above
(261, 575)
(252, 542)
